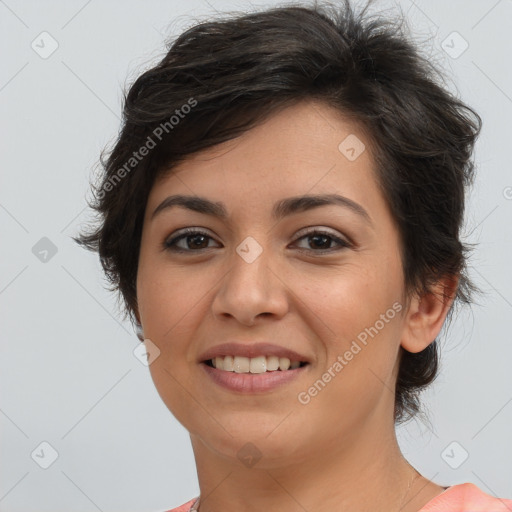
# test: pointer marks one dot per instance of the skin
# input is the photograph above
(339, 451)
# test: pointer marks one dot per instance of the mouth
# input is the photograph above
(254, 365)
(258, 369)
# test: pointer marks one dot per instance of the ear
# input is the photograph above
(139, 331)
(137, 315)
(427, 313)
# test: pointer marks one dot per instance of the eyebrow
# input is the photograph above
(283, 208)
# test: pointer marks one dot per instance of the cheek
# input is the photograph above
(172, 302)
(353, 297)
(361, 311)
(363, 316)
(170, 305)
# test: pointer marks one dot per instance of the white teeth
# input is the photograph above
(284, 363)
(241, 364)
(272, 363)
(260, 364)
(229, 364)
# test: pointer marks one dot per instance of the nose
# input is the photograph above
(251, 289)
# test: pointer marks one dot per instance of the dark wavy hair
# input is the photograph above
(220, 78)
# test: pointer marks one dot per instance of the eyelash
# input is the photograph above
(169, 244)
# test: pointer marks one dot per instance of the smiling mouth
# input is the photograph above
(254, 365)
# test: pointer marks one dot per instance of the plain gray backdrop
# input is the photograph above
(83, 428)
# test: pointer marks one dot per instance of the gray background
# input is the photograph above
(68, 373)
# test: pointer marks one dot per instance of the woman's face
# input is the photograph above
(324, 282)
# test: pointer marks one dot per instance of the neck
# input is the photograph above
(364, 473)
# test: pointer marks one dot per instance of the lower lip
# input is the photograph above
(252, 382)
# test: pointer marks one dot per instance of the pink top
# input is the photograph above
(457, 498)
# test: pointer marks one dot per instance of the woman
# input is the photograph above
(281, 216)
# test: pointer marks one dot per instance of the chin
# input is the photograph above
(254, 446)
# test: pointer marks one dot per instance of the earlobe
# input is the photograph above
(136, 312)
(427, 313)
(138, 327)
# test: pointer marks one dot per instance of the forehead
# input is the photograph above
(308, 148)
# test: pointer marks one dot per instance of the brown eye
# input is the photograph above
(320, 241)
(194, 241)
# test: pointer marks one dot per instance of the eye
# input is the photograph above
(194, 241)
(324, 240)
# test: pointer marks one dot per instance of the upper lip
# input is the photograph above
(251, 350)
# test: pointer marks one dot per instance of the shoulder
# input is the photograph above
(467, 498)
(186, 507)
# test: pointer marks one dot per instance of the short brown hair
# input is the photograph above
(222, 77)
